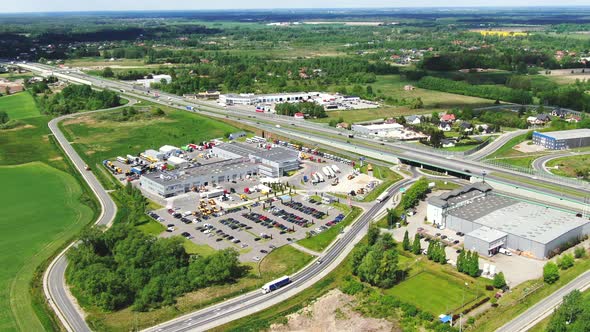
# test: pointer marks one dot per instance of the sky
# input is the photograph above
(116, 5)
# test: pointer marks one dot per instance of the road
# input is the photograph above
(543, 309)
(254, 301)
(54, 284)
(496, 144)
(539, 163)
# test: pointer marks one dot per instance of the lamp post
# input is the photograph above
(483, 174)
(461, 313)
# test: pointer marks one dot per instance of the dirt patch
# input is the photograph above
(86, 119)
(333, 312)
(528, 147)
(27, 126)
(56, 159)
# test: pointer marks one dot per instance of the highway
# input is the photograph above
(245, 304)
(496, 144)
(543, 309)
(255, 301)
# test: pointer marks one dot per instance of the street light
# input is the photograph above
(462, 305)
(483, 174)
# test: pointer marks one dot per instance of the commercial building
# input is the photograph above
(172, 183)
(492, 221)
(564, 139)
(380, 129)
(272, 162)
(147, 82)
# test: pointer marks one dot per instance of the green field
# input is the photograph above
(41, 210)
(97, 139)
(19, 106)
(285, 260)
(568, 165)
(433, 293)
(322, 240)
(393, 86)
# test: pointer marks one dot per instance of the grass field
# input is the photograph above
(507, 150)
(282, 261)
(322, 240)
(393, 86)
(568, 165)
(19, 106)
(197, 249)
(435, 293)
(41, 209)
(99, 140)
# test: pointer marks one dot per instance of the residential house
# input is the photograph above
(540, 119)
(559, 113)
(447, 143)
(466, 127)
(444, 126)
(573, 119)
(413, 119)
(447, 118)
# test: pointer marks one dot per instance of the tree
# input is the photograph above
(406, 242)
(474, 265)
(499, 280)
(108, 72)
(579, 252)
(550, 273)
(3, 117)
(566, 262)
(369, 90)
(442, 255)
(373, 235)
(416, 245)
(461, 261)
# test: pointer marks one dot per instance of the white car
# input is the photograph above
(256, 258)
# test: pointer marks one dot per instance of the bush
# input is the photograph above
(579, 252)
(565, 262)
(550, 273)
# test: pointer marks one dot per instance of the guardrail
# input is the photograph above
(538, 174)
(444, 152)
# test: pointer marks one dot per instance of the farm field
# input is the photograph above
(19, 106)
(32, 230)
(97, 139)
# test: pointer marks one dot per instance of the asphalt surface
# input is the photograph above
(239, 307)
(496, 144)
(254, 301)
(536, 313)
(54, 283)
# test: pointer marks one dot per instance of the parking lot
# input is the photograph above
(252, 229)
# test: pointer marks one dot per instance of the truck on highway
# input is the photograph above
(383, 197)
(276, 284)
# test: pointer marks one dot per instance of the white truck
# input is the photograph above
(321, 178)
(335, 168)
(326, 172)
(505, 251)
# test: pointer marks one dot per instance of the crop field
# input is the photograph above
(19, 106)
(41, 209)
(433, 292)
(97, 140)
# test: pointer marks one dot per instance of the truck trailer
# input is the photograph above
(276, 284)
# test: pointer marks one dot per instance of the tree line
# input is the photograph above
(377, 261)
(75, 98)
(310, 109)
(483, 91)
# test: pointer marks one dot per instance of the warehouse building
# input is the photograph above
(564, 139)
(492, 221)
(380, 129)
(273, 162)
(172, 183)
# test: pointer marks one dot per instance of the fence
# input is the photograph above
(444, 152)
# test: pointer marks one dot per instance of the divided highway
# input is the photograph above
(54, 281)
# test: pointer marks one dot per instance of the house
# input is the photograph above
(484, 128)
(444, 126)
(447, 143)
(413, 119)
(409, 87)
(540, 119)
(559, 113)
(390, 121)
(573, 119)
(447, 118)
(466, 127)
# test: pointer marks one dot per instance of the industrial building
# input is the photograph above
(380, 129)
(492, 221)
(147, 82)
(271, 162)
(564, 139)
(172, 183)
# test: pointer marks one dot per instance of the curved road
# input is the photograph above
(255, 301)
(539, 163)
(54, 284)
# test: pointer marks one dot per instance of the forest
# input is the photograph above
(74, 98)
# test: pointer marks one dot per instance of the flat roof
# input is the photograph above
(277, 154)
(567, 134)
(459, 195)
(487, 234)
(530, 221)
(212, 169)
(382, 126)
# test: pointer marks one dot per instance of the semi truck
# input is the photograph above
(276, 284)
(321, 178)
(383, 197)
(213, 193)
(326, 172)
(335, 168)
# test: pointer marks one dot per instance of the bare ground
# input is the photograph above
(333, 312)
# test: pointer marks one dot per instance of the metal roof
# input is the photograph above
(487, 234)
(460, 195)
(276, 154)
(567, 134)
